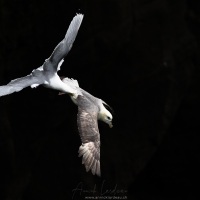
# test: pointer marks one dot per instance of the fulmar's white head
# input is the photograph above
(104, 115)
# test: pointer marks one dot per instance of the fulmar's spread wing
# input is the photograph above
(89, 133)
(20, 83)
(65, 45)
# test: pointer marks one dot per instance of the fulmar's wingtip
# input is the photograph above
(80, 16)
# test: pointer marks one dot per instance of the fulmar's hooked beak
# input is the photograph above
(61, 93)
(110, 125)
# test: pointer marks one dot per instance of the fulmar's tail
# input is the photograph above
(71, 82)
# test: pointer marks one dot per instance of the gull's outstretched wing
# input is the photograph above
(20, 83)
(89, 133)
(65, 45)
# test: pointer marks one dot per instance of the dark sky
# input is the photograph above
(142, 58)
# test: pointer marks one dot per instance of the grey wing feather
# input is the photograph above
(65, 45)
(18, 84)
(90, 148)
(89, 133)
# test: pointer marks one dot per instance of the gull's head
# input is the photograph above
(105, 115)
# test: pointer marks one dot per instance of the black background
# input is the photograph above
(142, 58)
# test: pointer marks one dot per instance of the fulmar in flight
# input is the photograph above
(46, 74)
(90, 108)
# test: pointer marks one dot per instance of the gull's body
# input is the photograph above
(46, 75)
(90, 110)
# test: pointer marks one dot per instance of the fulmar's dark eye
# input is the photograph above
(108, 118)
